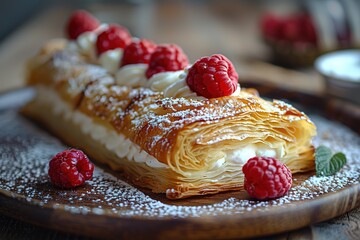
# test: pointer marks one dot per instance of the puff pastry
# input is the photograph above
(178, 146)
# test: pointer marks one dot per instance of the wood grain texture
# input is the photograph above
(246, 225)
(345, 227)
(13, 229)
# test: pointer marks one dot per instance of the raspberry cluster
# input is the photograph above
(210, 77)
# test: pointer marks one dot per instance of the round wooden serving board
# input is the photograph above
(108, 207)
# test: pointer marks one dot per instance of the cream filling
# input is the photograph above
(110, 59)
(241, 155)
(160, 81)
(132, 75)
(86, 43)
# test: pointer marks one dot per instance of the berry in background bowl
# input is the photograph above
(293, 39)
(294, 29)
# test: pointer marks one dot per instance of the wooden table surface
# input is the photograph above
(227, 28)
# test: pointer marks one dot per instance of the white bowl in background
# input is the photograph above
(341, 70)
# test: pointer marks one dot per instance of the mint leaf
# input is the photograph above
(326, 163)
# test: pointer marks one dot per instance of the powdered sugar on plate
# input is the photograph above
(25, 150)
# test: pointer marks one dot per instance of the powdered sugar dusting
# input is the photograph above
(25, 151)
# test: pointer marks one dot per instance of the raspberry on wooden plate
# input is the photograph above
(70, 168)
(213, 77)
(115, 36)
(266, 178)
(79, 22)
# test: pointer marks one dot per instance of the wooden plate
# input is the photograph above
(108, 207)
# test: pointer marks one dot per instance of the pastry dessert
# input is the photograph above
(175, 128)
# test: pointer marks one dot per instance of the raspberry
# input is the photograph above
(266, 178)
(298, 28)
(70, 168)
(291, 30)
(167, 57)
(79, 22)
(309, 29)
(213, 77)
(138, 52)
(270, 26)
(114, 37)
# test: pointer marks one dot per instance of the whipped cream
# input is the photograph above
(172, 84)
(110, 59)
(132, 75)
(159, 81)
(219, 162)
(86, 42)
(181, 89)
(241, 155)
(113, 141)
(237, 91)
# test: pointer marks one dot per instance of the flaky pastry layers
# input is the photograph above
(178, 146)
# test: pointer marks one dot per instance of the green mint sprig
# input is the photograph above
(326, 163)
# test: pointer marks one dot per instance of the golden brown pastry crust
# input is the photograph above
(189, 136)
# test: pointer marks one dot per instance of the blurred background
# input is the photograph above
(272, 41)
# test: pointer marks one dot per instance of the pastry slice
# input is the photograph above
(180, 146)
